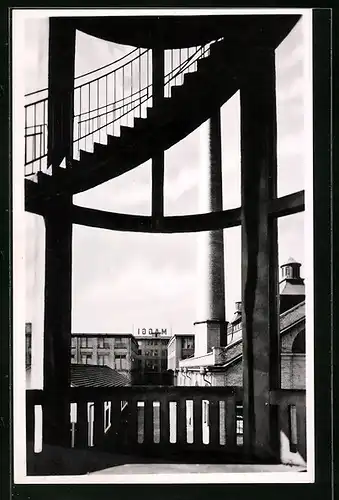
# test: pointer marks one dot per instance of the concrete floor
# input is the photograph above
(170, 468)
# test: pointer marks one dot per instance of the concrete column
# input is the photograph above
(158, 159)
(210, 325)
(61, 60)
(57, 323)
(260, 322)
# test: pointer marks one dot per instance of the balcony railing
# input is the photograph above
(166, 421)
(153, 419)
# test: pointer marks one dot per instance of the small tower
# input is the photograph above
(291, 286)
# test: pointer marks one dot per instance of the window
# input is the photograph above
(74, 342)
(85, 342)
(100, 342)
(86, 359)
(107, 344)
(101, 360)
(120, 362)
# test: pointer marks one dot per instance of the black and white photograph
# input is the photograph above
(163, 246)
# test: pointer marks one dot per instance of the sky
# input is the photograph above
(125, 280)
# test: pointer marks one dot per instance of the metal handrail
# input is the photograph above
(183, 66)
(88, 73)
(127, 105)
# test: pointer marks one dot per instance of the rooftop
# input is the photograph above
(96, 376)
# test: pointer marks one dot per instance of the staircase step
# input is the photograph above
(99, 149)
(86, 156)
(165, 122)
(176, 92)
(124, 130)
(190, 77)
(76, 164)
(154, 110)
(138, 123)
(112, 140)
(203, 64)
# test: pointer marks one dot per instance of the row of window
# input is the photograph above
(102, 343)
(154, 342)
(120, 361)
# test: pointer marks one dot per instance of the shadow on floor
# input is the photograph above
(56, 460)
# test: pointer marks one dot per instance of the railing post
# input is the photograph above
(259, 255)
(158, 75)
(61, 60)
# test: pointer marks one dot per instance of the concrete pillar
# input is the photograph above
(260, 322)
(210, 325)
(158, 159)
(57, 322)
(61, 60)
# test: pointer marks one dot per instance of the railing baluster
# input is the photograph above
(164, 420)
(148, 422)
(113, 435)
(214, 423)
(81, 433)
(106, 103)
(30, 425)
(197, 421)
(114, 101)
(182, 421)
(98, 138)
(44, 126)
(230, 422)
(132, 109)
(132, 423)
(80, 117)
(139, 88)
(99, 434)
(34, 131)
(40, 145)
(301, 428)
(123, 93)
(26, 130)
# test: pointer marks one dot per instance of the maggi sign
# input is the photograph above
(151, 331)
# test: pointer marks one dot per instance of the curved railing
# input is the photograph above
(105, 103)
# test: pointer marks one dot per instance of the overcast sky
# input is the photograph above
(125, 279)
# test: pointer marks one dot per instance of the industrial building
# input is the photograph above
(118, 351)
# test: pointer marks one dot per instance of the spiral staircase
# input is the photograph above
(113, 136)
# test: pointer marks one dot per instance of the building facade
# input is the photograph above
(223, 365)
(152, 356)
(180, 346)
(118, 351)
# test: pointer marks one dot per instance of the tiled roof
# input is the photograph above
(291, 316)
(288, 288)
(96, 376)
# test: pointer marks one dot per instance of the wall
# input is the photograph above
(293, 368)
(172, 359)
(118, 352)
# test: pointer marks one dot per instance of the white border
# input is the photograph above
(18, 17)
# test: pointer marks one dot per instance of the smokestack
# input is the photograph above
(210, 326)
